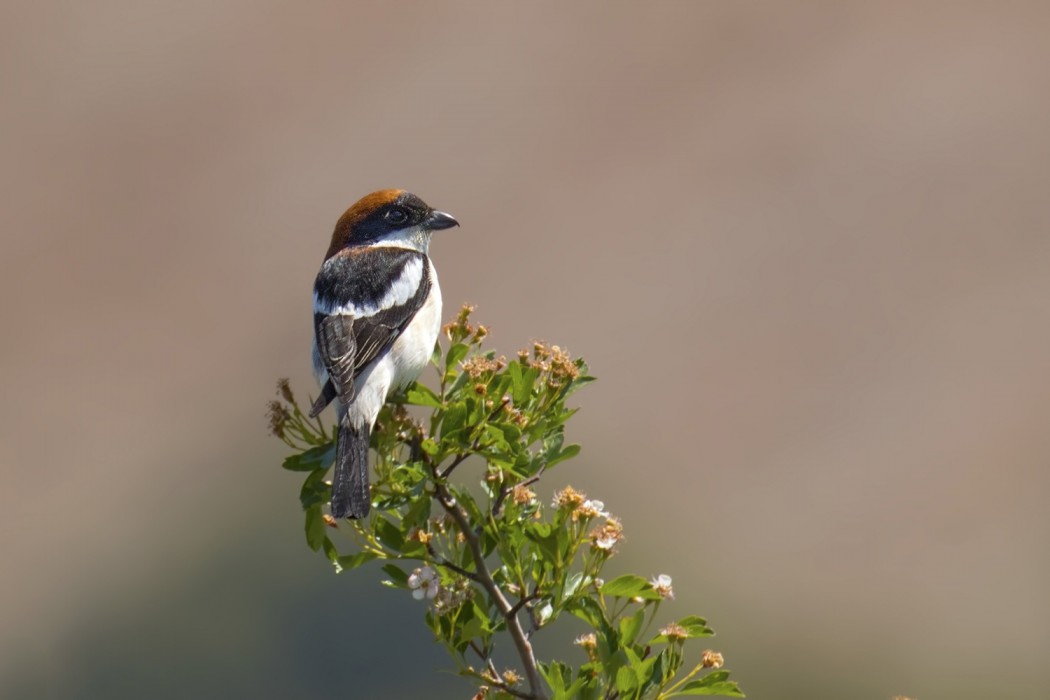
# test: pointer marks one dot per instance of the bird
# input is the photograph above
(377, 315)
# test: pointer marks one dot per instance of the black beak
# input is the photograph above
(439, 220)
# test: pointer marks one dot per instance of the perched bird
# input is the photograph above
(377, 314)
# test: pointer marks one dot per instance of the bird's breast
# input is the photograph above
(412, 350)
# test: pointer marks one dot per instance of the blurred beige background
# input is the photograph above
(805, 249)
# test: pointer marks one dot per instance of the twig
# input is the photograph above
(517, 634)
(457, 461)
(496, 677)
(481, 655)
(497, 680)
(523, 602)
(442, 561)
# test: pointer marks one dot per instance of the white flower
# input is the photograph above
(424, 583)
(662, 585)
(591, 508)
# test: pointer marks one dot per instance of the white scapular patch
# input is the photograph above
(401, 290)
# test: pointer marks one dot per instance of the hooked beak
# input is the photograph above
(439, 220)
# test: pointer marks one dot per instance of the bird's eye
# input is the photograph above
(396, 216)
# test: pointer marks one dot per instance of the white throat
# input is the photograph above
(414, 238)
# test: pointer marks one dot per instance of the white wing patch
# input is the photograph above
(400, 292)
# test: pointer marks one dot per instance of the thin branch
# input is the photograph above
(481, 655)
(460, 458)
(522, 603)
(441, 561)
(516, 693)
(517, 634)
(497, 680)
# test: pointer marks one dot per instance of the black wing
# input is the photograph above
(364, 300)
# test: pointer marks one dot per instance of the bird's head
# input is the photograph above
(389, 217)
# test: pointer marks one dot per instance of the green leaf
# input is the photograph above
(417, 514)
(315, 492)
(696, 626)
(470, 626)
(643, 671)
(397, 576)
(546, 538)
(455, 417)
(320, 457)
(551, 446)
(626, 586)
(455, 353)
(667, 664)
(421, 395)
(496, 437)
(626, 680)
(588, 610)
(568, 452)
(329, 550)
(516, 372)
(511, 432)
(557, 675)
(388, 534)
(573, 583)
(631, 626)
(714, 683)
(578, 384)
(355, 560)
(314, 527)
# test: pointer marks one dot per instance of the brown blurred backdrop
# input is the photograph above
(804, 248)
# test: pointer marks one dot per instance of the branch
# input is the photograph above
(442, 561)
(523, 602)
(517, 634)
(456, 462)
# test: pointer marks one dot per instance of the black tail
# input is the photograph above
(350, 496)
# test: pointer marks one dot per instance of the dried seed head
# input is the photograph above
(523, 495)
(711, 659)
(569, 497)
(285, 390)
(278, 417)
(479, 365)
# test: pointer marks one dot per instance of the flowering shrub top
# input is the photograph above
(495, 562)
